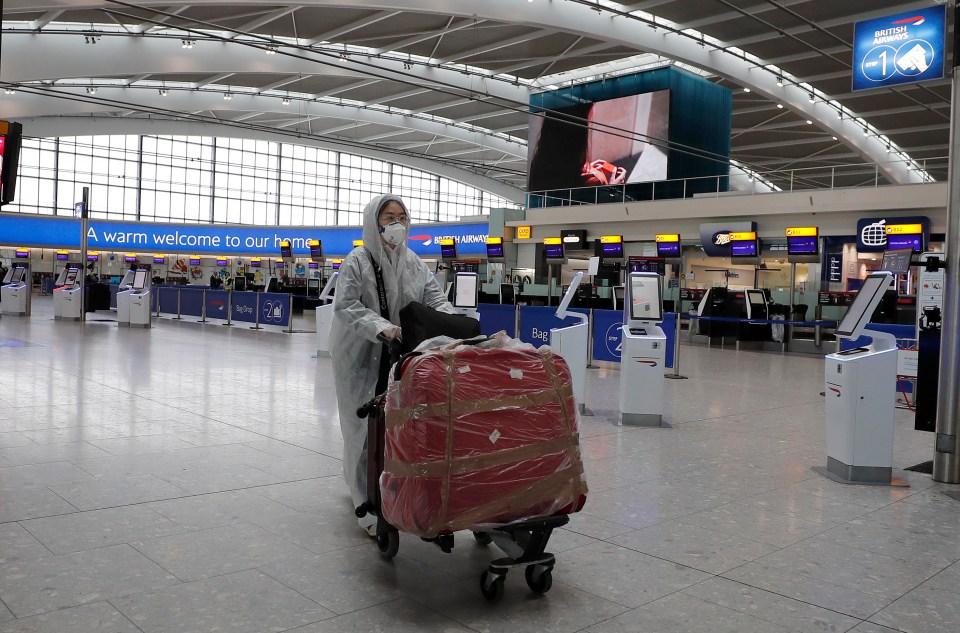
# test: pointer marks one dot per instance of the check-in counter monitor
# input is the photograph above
(508, 294)
(757, 306)
(141, 278)
(646, 299)
(464, 292)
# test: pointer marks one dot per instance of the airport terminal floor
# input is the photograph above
(187, 478)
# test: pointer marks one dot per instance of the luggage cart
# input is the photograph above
(524, 542)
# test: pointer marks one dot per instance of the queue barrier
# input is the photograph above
(203, 303)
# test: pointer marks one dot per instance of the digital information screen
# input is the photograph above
(194, 261)
(71, 277)
(130, 259)
(221, 262)
(465, 291)
(494, 251)
(280, 264)
(668, 249)
(613, 251)
(336, 264)
(159, 260)
(313, 265)
(897, 261)
(648, 265)
(93, 257)
(448, 251)
(255, 263)
(805, 245)
(18, 274)
(316, 250)
(62, 257)
(645, 300)
(140, 279)
(286, 250)
(553, 251)
(21, 254)
(900, 242)
(744, 248)
(857, 314)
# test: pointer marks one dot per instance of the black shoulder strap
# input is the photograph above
(381, 290)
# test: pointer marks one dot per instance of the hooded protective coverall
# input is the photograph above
(357, 322)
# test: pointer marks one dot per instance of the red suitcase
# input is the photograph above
(479, 437)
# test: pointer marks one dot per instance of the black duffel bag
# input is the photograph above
(420, 322)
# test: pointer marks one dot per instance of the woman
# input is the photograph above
(360, 328)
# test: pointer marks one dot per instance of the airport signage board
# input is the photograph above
(899, 49)
(715, 237)
(222, 239)
(872, 232)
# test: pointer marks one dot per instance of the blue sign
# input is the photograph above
(607, 335)
(872, 232)
(167, 299)
(715, 237)
(834, 268)
(244, 306)
(221, 239)
(899, 49)
(217, 302)
(273, 308)
(494, 318)
(536, 323)
(191, 302)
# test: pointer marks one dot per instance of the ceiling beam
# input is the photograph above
(256, 23)
(332, 34)
(45, 19)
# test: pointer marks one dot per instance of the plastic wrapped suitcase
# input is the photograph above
(479, 437)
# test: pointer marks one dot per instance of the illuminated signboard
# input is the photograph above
(802, 240)
(904, 236)
(494, 247)
(668, 244)
(553, 248)
(898, 49)
(448, 248)
(743, 244)
(611, 246)
(524, 232)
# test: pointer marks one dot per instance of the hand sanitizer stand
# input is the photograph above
(325, 316)
(860, 396)
(571, 342)
(643, 352)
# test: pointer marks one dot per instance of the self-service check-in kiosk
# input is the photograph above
(124, 292)
(643, 352)
(571, 342)
(325, 315)
(466, 294)
(67, 296)
(16, 290)
(860, 395)
(140, 315)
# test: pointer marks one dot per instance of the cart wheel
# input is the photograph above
(539, 584)
(492, 590)
(388, 543)
(483, 538)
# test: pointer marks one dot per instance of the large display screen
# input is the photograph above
(645, 299)
(859, 311)
(901, 242)
(744, 248)
(896, 262)
(805, 245)
(612, 251)
(668, 249)
(448, 249)
(494, 251)
(612, 142)
(553, 251)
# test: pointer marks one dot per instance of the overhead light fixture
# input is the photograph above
(809, 122)
(780, 106)
(866, 132)
(163, 92)
(780, 81)
(186, 43)
(91, 38)
(286, 101)
(9, 91)
(91, 91)
(271, 50)
(745, 89)
(227, 96)
(835, 138)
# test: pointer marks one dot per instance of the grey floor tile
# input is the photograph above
(748, 520)
(242, 602)
(914, 544)
(117, 491)
(923, 610)
(792, 614)
(707, 550)
(219, 550)
(317, 532)
(313, 495)
(623, 576)
(43, 453)
(682, 613)
(43, 475)
(398, 616)
(870, 627)
(140, 444)
(12, 439)
(30, 502)
(64, 434)
(948, 579)
(303, 467)
(590, 525)
(5, 615)
(99, 617)
(100, 528)
(203, 480)
(18, 544)
(199, 512)
(56, 582)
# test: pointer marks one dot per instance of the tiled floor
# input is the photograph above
(186, 478)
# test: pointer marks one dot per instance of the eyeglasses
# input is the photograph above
(389, 217)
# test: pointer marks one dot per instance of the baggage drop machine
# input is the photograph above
(124, 292)
(325, 315)
(466, 294)
(67, 295)
(16, 290)
(572, 343)
(860, 395)
(140, 315)
(643, 351)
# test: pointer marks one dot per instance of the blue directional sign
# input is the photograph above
(903, 48)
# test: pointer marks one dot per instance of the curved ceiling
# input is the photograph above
(448, 82)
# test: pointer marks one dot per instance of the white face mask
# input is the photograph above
(394, 233)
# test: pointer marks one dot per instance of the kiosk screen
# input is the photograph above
(648, 265)
(805, 245)
(465, 291)
(668, 249)
(71, 277)
(494, 251)
(645, 299)
(897, 262)
(18, 274)
(859, 311)
(139, 279)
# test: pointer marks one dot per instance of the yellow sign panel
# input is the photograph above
(336, 261)
(802, 231)
(494, 240)
(553, 240)
(357, 243)
(743, 237)
(524, 232)
(313, 243)
(667, 237)
(904, 229)
(284, 243)
(447, 241)
(254, 259)
(611, 239)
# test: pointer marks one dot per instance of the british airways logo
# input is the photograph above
(649, 362)
(835, 390)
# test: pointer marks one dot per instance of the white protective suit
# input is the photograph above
(357, 322)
